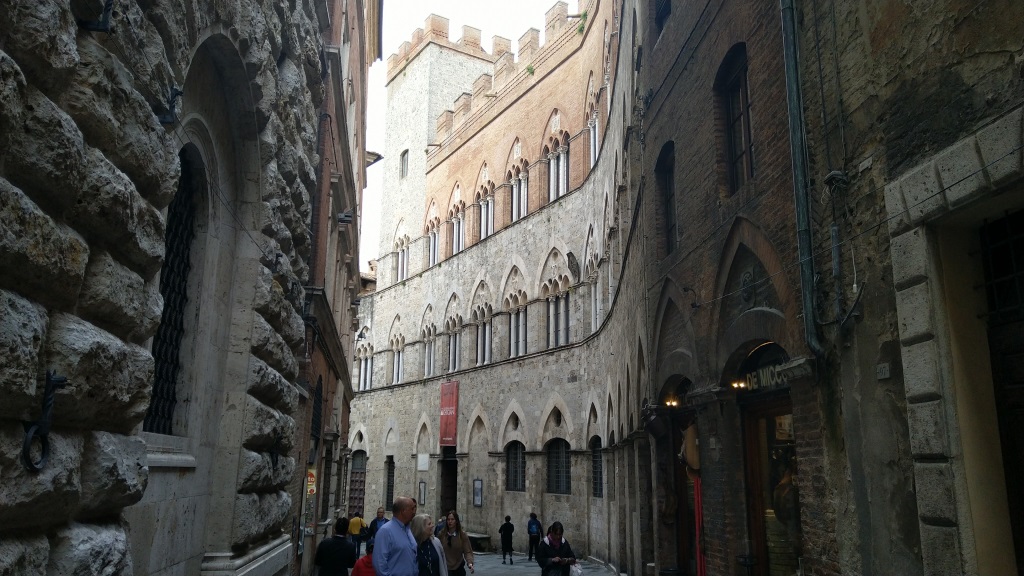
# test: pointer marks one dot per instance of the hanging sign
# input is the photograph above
(764, 378)
(310, 481)
(449, 413)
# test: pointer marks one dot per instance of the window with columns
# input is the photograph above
(458, 232)
(397, 360)
(484, 336)
(429, 349)
(402, 252)
(516, 306)
(558, 169)
(519, 190)
(558, 320)
(365, 368)
(433, 245)
(454, 329)
(594, 144)
(486, 215)
(595, 302)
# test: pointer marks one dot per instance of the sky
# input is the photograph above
(506, 18)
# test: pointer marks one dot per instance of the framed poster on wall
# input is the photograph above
(478, 492)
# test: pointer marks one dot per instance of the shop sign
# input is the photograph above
(764, 378)
(310, 482)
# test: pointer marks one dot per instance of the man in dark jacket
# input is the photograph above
(335, 555)
(554, 554)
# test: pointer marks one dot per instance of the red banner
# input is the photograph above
(449, 413)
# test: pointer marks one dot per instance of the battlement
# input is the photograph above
(511, 72)
(436, 28)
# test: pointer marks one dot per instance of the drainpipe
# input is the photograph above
(797, 151)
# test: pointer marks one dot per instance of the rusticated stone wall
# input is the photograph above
(90, 138)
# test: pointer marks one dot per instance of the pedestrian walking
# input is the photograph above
(377, 522)
(533, 529)
(395, 552)
(554, 555)
(335, 555)
(506, 531)
(457, 548)
(430, 558)
(357, 529)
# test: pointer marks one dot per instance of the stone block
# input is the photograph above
(910, 258)
(267, 429)
(895, 208)
(914, 307)
(928, 433)
(45, 154)
(960, 170)
(114, 474)
(38, 500)
(110, 209)
(12, 96)
(257, 471)
(24, 556)
(268, 386)
(90, 549)
(921, 380)
(258, 514)
(22, 331)
(109, 381)
(272, 303)
(922, 193)
(940, 549)
(116, 118)
(41, 39)
(38, 255)
(1001, 149)
(115, 298)
(933, 483)
(270, 347)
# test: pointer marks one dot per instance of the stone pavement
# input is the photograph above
(489, 564)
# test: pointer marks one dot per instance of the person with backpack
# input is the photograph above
(533, 529)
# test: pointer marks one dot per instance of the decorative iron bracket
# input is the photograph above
(171, 116)
(40, 429)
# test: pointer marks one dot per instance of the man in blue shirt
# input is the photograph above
(394, 552)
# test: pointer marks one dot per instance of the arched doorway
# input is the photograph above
(769, 458)
(357, 483)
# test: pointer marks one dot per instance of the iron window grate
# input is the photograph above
(1002, 251)
(597, 468)
(174, 290)
(559, 468)
(515, 467)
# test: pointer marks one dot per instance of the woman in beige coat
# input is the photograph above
(457, 548)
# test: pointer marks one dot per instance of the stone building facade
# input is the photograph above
(700, 283)
(160, 178)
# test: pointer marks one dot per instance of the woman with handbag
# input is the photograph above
(554, 554)
(457, 548)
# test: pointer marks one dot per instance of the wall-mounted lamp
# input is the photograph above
(345, 217)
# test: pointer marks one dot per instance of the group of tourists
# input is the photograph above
(409, 545)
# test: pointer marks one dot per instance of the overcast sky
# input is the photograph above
(509, 19)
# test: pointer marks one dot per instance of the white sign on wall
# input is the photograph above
(422, 462)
